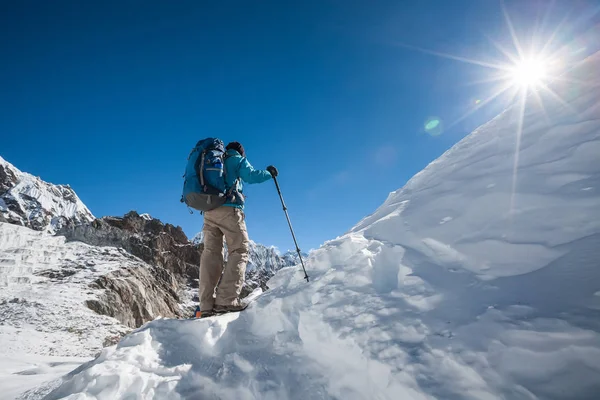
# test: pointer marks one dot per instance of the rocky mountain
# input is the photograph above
(29, 201)
(291, 257)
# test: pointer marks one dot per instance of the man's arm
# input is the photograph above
(251, 175)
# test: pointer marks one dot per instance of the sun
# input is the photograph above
(529, 73)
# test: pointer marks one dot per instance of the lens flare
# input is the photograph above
(433, 126)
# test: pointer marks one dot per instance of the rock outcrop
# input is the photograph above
(158, 244)
(168, 250)
(136, 295)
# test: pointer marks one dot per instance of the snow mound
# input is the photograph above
(29, 201)
(477, 280)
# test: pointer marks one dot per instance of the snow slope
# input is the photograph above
(477, 280)
(23, 372)
(44, 283)
(29, 201)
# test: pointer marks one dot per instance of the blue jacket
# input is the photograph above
(236, 167)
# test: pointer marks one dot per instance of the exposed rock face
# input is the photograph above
(158, 244)
(137, 295)
(29, 201)
(8, 176)
(168, 250)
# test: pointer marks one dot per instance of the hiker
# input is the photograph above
(228, 221)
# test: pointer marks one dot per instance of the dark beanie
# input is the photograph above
(237, 146)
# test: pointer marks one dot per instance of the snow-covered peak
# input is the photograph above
(146, 216)
(29, 201)
(293, 258)
(198, 238)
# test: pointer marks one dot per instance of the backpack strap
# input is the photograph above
(233, 187)
(232, 191)
(201, 169)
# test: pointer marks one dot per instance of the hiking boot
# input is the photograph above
(206, 314)
(203, 314)
(219, 309)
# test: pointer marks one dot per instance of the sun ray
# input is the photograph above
(502, 90)
(503, 50)
(534, 38)
(511, 99)
(541, 105)
(548, 13)
(559, 99)
(493, 79)
(511, 28)
(573, 80)
(453, 57)
(544, 49)
(520, 122)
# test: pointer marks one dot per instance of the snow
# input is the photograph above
(45, 328)
(498, 301)
(44, 283)
(26, 372)
(198, 238)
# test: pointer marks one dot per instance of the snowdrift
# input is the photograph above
(478, 280)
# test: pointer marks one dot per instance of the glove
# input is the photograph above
(273, 171)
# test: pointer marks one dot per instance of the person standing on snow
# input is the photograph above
(228, 221)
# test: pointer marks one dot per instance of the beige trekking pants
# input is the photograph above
(228, 222)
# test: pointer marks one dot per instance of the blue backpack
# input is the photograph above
(204, 179)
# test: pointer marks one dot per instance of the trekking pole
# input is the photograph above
(291, 229)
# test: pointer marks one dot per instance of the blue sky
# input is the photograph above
(110, 97)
